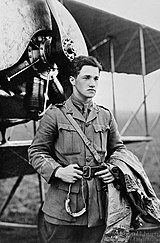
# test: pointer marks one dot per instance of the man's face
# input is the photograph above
(85, 84)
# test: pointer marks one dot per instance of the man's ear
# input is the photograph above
(72, 80)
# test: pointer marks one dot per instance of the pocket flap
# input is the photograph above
(100, 128)
(65, 186)
(66, 126)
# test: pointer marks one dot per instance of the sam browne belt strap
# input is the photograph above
(83, 136)
(87, 170)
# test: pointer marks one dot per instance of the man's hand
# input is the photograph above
(69, 174)
(105, 175)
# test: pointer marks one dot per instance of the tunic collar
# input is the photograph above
(71, 108)
(79, 104)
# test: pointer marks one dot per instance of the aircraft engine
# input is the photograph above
(38, 41)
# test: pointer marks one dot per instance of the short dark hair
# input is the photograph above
(80, 61)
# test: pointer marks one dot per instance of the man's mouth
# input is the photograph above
(93, 90)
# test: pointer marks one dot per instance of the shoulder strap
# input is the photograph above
(83, 136)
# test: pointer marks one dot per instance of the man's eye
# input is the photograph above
(87, 77)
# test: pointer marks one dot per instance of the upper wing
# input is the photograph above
(100, 28)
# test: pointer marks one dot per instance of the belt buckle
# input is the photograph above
(87, 172)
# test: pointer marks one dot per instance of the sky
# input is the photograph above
(129, 88)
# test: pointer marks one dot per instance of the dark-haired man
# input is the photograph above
(75, 203)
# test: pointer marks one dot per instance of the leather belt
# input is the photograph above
(89, 171)
(88, 174)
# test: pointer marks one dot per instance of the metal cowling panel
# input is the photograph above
(20, 20)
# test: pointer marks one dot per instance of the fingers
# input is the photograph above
(105, 175)
(74, 173)
(99, 173)
(78, 173)
(68, 174)
(72, 180)
(108, 179)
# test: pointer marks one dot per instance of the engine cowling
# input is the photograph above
(36, 35)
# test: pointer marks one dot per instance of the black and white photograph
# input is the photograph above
(80, 121)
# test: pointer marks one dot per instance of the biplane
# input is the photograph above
(39, 40)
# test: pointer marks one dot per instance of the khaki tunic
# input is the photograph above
(57, 143)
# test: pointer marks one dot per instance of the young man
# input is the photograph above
(75, 203)
(58, 151)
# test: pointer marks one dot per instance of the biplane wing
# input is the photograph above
(14, 159)
(101, 28)
(122, 46)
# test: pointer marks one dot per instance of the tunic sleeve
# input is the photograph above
(41, 152)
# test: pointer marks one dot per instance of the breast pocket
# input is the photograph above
(100, 137)
(68, 141)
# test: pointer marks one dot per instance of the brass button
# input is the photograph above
(88, 159)
(88, 124)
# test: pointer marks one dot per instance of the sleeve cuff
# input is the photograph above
(52, 178)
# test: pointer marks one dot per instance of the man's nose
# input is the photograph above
(92, 82)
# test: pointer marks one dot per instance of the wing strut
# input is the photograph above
(112, 73)
(143, 68)
(142, 50)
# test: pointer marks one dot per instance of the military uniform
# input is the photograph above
(58, 144)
